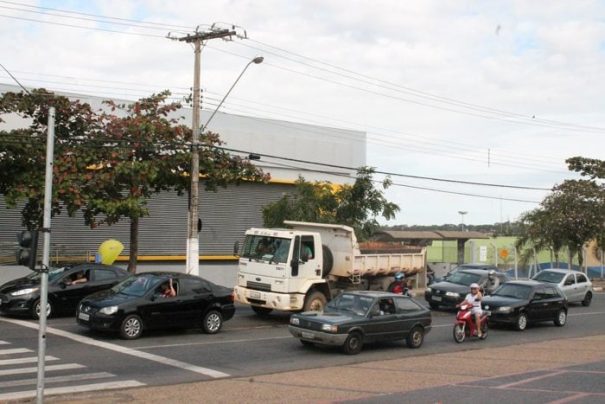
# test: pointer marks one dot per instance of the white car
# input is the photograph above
(575, 285)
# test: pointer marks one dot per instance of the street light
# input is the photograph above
(462, 213)
(193, 224)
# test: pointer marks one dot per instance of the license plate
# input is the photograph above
(255, 295)
(308, 335)
(437, 298)
(84, 316)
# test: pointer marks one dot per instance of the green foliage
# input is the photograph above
(355, 205)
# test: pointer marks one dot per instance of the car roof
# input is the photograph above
(168, 274)
(473, 271)
(560, 271)
(477, 266)
(371, 293)
(525, 282)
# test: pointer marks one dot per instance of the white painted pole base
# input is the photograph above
(193, 256)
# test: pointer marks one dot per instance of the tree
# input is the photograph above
(355, 205)
(110, 164)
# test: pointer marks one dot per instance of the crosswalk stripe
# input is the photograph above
(14, 351)
(50, 368)
(18, 361)
(56, 379)
(4, 343)
(72, 389)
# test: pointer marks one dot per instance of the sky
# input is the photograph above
(498, 92)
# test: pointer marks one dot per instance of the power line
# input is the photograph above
(14, 78)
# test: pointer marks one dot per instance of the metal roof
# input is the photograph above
(397, 235)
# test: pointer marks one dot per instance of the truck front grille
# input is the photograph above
(259, 286)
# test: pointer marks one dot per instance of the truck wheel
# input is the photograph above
(315, 301)
(261, 311)
(328, 260)
(353, 343)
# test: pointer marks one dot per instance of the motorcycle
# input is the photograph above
(401, 289)
(465, 326)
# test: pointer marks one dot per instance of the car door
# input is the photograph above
(383, 323)
(583, 286)
(538, 307)
(68, 296)
(407, 315)
(162, 312)
(196, 297)
(552, 297)
(102, 279)
(569, 287)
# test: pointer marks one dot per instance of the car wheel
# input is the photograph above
(213, 321)
(261, 311)
(131, 327)
(415, 338)
(587, 299)
(521, 323)
(459, 333)
(561, 318)
(434, 306)
(36, 309)
(315, 301)
(353, 343)
(306, 343)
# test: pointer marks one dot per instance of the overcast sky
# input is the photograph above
(495, 92)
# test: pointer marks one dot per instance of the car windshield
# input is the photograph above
(463, 278)
(350, 302)
(53, 274)
(512, 290)
(265, 248)
(549, 277)
(136, 285)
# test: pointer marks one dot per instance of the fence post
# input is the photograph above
(516, 263)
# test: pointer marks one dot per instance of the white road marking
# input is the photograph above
(19, 395)
(127, 351)
(18, 361)
(56, 379)
(211, 342)
(50, 368)
(590, 313)
(4, 343)
(14, 351)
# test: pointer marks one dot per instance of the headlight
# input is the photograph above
(452, 294)
(294, 321)
(24, 291)
(109, 310)
(329, 328)
(428, 290)
(505, 309)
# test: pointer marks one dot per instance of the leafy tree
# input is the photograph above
(109, 163)
(355, 205)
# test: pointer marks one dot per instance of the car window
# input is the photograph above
(570, 280)
(404, 305)
(195, 286)
(103, 275)
(548, 277)
(384, 306)
(549, 293)
(464, 278)
(542, 294)
(581, 278)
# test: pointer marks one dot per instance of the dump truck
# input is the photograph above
(306, 265)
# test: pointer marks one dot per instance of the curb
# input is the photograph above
(597, 288)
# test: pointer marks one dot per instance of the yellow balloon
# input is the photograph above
(109, 250)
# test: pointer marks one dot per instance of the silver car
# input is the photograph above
(575, 285)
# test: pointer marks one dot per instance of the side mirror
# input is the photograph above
(236, 248)
(153, 297)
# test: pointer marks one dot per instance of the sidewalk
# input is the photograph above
(365, 380)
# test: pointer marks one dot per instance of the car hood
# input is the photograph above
(330, 317)
(499, 301)
(108, 298)
(451, 287)
(18, 284)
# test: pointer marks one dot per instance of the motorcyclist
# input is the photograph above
(492, 282)
(474, 300)
(400, 286)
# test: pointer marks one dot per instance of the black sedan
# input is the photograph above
(452, 291)
(522, 302)
(66, 287)
(355, 318)
(141, 303)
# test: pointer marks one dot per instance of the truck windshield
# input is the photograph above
(266, 248)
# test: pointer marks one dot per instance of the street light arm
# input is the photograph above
(256, 60)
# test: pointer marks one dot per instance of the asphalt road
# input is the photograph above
(247, 346)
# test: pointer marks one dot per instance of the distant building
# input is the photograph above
(227, 213)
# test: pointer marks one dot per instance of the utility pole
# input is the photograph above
(193, 244)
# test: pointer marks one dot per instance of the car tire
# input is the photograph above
(131, 327)
(415, 338)
(261, 311)
(353, 343)
(315, 301)
(434, 306)
(459, 333)
(587, 299)
(213, 322)
(521, 323)
(36, 309)
(561, 318)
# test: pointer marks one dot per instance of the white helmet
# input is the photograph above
(474, 286)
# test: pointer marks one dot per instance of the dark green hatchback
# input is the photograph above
(355, 318)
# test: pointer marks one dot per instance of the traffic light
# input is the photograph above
(28, 248)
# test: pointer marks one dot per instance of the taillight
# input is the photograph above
(232, 297)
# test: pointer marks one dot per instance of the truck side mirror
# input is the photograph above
(236, 248)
